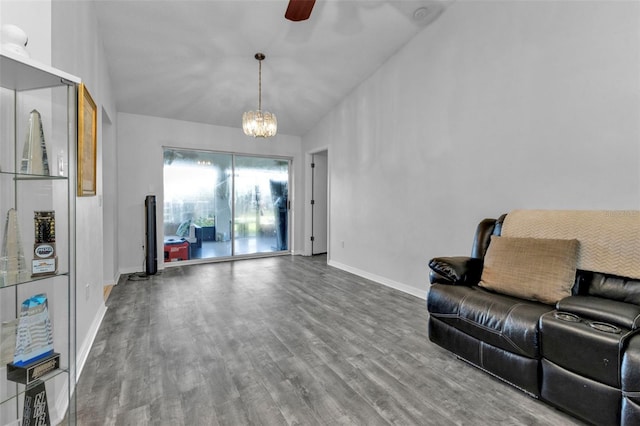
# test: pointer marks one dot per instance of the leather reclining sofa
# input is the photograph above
(549, 302)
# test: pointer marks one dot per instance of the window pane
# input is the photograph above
(197, 204)
(261, 214)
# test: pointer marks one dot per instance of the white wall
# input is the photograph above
(140, 163)
(496, 106)
(77, 49)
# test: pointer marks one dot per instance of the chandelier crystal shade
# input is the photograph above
(259, 124)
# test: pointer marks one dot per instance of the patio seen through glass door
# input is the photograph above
(220, 205)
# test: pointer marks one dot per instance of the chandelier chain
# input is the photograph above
(260, 85)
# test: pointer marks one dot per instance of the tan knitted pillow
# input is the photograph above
(531, 268)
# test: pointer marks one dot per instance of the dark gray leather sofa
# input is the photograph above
(581, 355)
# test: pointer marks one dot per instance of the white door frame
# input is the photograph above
(308, 208)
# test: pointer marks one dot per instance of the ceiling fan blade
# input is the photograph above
(299, 10)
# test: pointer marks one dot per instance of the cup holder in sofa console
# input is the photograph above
(566, 316)
(596, 325)
(603, 326)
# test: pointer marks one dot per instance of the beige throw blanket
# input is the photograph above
(609, 240)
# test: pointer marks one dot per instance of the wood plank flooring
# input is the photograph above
(282, 341)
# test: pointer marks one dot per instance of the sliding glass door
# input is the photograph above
(261, 201)
(223, 205)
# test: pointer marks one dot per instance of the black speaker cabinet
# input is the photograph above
(151, 243)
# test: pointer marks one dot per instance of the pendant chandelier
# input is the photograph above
(259, 124)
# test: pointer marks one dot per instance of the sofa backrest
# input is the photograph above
(610, 245)
(607, 286)
(609, 240)
(482, 238)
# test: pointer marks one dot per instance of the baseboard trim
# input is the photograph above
(118, 275)
(126, 271)
(380, 280)
(83, 352)
(61, 402)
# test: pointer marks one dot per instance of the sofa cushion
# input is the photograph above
(531, 268)
(616, 288)
(501, 321)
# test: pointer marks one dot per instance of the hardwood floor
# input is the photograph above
(282, 340)
(106, 291)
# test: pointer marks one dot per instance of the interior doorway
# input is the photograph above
(319, 201)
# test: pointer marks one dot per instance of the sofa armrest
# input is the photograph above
(457, 270)
(604, 310)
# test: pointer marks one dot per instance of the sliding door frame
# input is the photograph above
(232, 230)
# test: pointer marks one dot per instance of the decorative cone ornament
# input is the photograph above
(34, 155)
(13, 267)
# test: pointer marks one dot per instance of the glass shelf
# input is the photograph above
(36, 279)
(26, 176)
(40, 177)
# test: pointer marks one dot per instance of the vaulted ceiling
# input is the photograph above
(194, 60)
